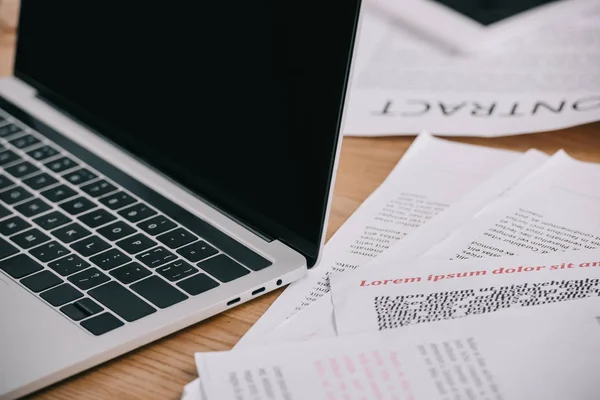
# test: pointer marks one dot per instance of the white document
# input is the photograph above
(317, 320)
(470, 27)
(438, 229)
(425, 291)
(433, 174)
(192, 391)
(544, 80)
(560, 172)
(556, 210)
(543, 352)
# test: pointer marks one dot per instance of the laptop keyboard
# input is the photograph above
(94, 243)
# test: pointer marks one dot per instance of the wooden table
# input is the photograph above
(161, 369)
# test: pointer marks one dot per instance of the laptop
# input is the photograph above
(160, 164)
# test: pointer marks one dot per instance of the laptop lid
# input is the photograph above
(240, 102)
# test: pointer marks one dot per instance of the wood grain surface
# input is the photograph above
(159, 370)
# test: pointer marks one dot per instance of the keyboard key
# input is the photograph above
(176, 238)
(49, 251)
(130, 273)
(5, 182)
(98, 188)
(59, 193)
(158, 292)
(97, 217)
(156, 257)
(156, 225)
(110, 259)
(77, 205)
(80, 176)
(22, 169)
(223, 268)
(71, 233)
(7, 249)
(20, 265)
(4, 212)
(9, 129)
(69, 265)
(88, 278)
(121, 301)
(61, 164)
(41, 281)
(32, 207)
(8, 156)
(40, 181)
(24, 141)
(117, 200)
(81, 309)
(30, 238)
(197, 251)
(90, 246)
(197, 284)
(137, 212)
(14, 195)
(176, 270)
(116, 231)
(51, 220)
(136, 243)
(13, 225)
(41, 153)
(60, 295)
(101, 324)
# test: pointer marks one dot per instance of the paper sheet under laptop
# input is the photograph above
(546, 79)
(433, 174)
(500, 356)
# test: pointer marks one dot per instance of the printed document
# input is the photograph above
(193, 391)
(471, 27)
(433, 174)
(502, 184)
(434, 290)
(556, 210)
(560, 172)
(520, 354)
(546, 79)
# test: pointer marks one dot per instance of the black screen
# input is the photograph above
(239, 101)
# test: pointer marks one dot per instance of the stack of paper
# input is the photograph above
(475, 68)
(470, 273)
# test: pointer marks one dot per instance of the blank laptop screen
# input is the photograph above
(238, 101)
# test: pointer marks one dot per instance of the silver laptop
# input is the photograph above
(159, 165)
